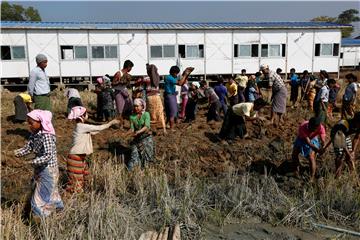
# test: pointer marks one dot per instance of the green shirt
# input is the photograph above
(138, 123)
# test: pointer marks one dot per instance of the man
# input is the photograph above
(242, 83)
(39, 84)
(279, 94)
(322, 99)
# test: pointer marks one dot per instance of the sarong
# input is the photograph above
(171, 107)
(214, 111)
(305, 149)
(155, 108)
(142, 152)
(348, 109)
(20, 109)
(46, 197)
(42, 102)
(279, 100)
(232, 126)
(76, 170)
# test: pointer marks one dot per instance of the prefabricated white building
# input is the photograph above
(350, 53)
(77, 49)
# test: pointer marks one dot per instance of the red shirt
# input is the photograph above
(304, 131)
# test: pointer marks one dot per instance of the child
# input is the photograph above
(191, 106)
(22, 104)
(142, 147)
(81, 147)
(234, 121)
(98, 90)
(294, 84)
(107, 100)
(349, 98)
(232, 90)
(322, 99)
(214, 103)
(42, 142)
(221, 92)
(251, 90)
(343, 146)
(332, 100)
(307, 143)
(308, 89)
(74, 99)
(184, 99)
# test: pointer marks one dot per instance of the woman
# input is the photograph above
(191, 106)
(42, 142)
(154, 102)
(81, 147)
(349, 97)
(142, 147)
(22, 106)
(74, 98)
(170, 101)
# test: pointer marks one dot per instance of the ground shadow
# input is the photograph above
(263, 167)
(18, 131)
(213, 137)
(121, 150)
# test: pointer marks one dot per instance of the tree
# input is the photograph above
(346, 17)
(16, 12)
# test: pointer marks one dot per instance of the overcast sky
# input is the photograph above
(188, 11)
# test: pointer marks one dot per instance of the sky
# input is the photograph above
(188, 11)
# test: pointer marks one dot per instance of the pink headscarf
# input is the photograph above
(100, 80)
(76, 112)
(44, 117)
(140, 101)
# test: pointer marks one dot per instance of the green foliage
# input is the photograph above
(346, 17)
(16, 12)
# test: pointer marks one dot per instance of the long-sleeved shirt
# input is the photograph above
(39, 83)
(275, 81)
(44, 147)
(82, 142)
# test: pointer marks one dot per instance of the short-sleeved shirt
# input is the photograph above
(244, 109)
(221, 92)
(211, 95)
(304, 131)
(231, 89)
(350, 92)
(323, 94)
(346, 126)
(294, 80)
(252, 94)
(242, 80)
(275, 81)
(170, 83)
(138, 123)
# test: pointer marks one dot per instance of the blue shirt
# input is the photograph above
(252, 94)
(221, 92)
(39, 83)
(294, 78)
(169, 85)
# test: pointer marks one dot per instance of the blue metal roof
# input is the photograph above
(350, 42)
(167, 26)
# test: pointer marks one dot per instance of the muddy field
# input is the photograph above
(191, 149)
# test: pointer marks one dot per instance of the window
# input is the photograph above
(162, 51)
(73, 52)
(327, 49)
(191, 51)
(273, 50)
(109, 51)
(246, 50)
(12, 52)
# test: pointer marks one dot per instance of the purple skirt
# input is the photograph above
(171, 107)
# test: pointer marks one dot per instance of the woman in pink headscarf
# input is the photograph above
(42, 142)
(81, 147)
(142, 147)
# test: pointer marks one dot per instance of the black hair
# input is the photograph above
(174, 70)
(314, 122)
(279, 70)
(243, 70)
(331, 81)
(260, 102)
(257, 74)
(220, 80)
(305, 72)
(128, 64)
(323, 72)
(356, 117)
(203, 83)
(351, 76)
(292, 70)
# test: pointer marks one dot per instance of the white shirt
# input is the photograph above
(39, 83)
(82, 142)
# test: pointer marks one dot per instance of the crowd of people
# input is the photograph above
(234, 100)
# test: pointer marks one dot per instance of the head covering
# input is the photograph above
(76, 112)
(100, 80)
(72, 92)
(44, 117)
(40, 58)
(26, 97)
(152, 72)
(264, 66)
(106, 80)
(196, 84)
(140, 101)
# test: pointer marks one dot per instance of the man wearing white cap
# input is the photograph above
(39, 84)
(279, 94)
